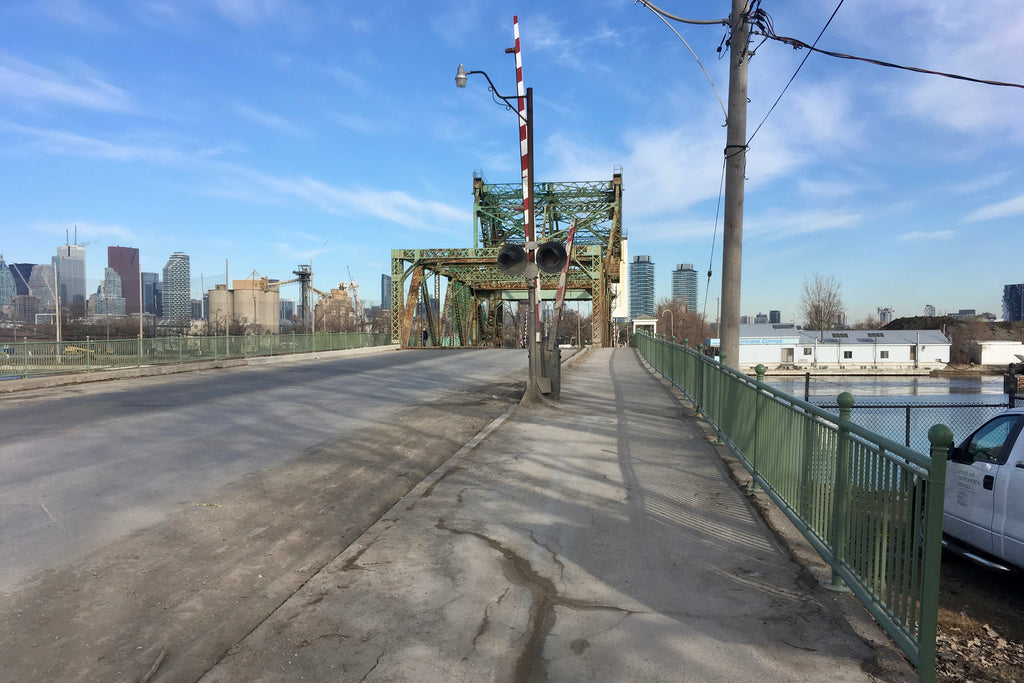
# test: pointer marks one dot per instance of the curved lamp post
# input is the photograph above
(535, 349)
(672, 323)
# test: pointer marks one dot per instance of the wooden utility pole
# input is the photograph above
(735, 166)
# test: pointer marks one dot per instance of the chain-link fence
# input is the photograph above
(908, 423)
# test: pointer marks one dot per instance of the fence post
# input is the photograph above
(88, 352)
(841, 491)
(760, 369)
(179, 349)
(941, 438)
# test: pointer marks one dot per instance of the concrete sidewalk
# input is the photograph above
(596, 538)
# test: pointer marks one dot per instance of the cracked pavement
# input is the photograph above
(595, 538)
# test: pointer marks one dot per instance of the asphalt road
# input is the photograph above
(84, 465)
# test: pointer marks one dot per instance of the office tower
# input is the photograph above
(42, 286)
(929, 310)
(176, 295)
(7, 288)
(641, 287)
(125, 261)
(385, 292)
(1013, 302)
(109, 300)
(884, 316)
(684, 285)
(150, 292)
(70, 265)
(775, 317)
(286, 308)
(21, 272)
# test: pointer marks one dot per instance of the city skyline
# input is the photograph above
(273, 134)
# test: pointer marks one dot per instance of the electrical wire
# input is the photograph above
(764, 22)
(711, 259)
(661, 16)
(798, 44)
(700, 22)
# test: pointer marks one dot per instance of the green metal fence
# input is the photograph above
(33, 359)
(870, 506)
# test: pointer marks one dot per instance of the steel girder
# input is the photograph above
(477, 283)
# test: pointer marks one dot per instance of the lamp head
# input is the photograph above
(460, 77)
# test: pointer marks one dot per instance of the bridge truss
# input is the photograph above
(471, 310)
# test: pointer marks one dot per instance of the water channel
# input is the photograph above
(904, 408)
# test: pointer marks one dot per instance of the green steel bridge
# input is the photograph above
(471, 310)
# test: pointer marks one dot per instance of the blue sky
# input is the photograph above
(276, 132)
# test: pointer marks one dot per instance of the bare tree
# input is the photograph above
(821, 302)
(677, 320)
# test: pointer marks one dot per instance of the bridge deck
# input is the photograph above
(599, 538)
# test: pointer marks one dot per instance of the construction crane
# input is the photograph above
(355, 291)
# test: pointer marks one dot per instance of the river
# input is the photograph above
(904, 408)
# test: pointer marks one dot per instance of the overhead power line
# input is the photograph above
(700, 22)
(662, 15)
(799, 44)
(761, 19)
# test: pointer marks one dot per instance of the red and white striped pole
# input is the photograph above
(524, 139)
(525, 107)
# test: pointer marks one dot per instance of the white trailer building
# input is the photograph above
(787, 347)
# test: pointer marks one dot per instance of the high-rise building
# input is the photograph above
(42, 286)
(70, 265)
(109, 300)
(684, 285)
(385, 292)
(287, 308)
(21, 272)
(929, 310)
(1013, 302)
(641, 287)
(7, 288)
(151, 293)
(884, 316)
(125, 262)
(774, 317)
(176, 295)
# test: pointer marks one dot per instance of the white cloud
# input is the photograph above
(980, 184)
(925, 236)
(826, 188)
(778, 225)
(20, 80)
(87, 231)
(1011, 207)
(75, 12)
(391, 205)
(59, 142)
(247, 13)
(269, 120)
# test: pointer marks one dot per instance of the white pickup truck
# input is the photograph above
(984, 507)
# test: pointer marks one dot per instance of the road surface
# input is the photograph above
(166, 517)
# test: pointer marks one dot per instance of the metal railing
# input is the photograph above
(34, 359)
(908, 423)
(871, 507)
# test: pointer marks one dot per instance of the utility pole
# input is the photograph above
(735, 167)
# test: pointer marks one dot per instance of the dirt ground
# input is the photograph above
(981, 624)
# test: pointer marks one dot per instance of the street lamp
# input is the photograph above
(672, 322)
(530, 271)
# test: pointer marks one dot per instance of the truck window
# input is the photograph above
(992, 443)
